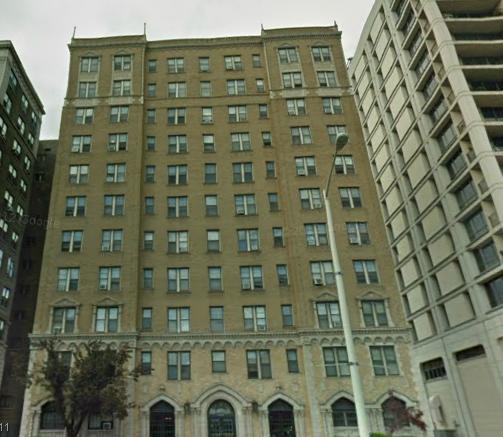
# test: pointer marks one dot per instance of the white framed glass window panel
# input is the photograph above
(292, 79)
(240, 141)
(179, 319)
(245, 204)
(121, 88)
(116, 172)
(176, 65)
(177, 144)
(296, 106)
(237, 113)
(119, 114)
(322, 272)
(248, 240)
(326, 79)
(122, 63)
(310, 198)
(332, 105)
(84, 115)
(254, 318)
(178, 241)
(178, 279)
(316, 234)
(366, 271)
(329, 315)
(301, 135)
(117, 142)
(288, 55)
(111, 240)
(81, 143)
(321, 54)
(89, 64)
(178, 206)
(251, 277)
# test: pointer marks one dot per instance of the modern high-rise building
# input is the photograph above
(20, 119)
(188, 223)
(428, 79)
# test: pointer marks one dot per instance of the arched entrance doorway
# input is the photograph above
(281, 419)
(221, 420)
(162, 420)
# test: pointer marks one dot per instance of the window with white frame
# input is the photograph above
(10, 269)
(21, 125)
(215, 278)
(260, 84)
(248, 240)
(148, 240)
(178, 365)
(148, 278)
(89, 64)
(116, 172)
(210, 173)
(178, 241)
(366, 271)
(288, 55)
(205, 89)
(110, 278)
(3, 127)
(251, 277)
(68, 278)
(350, 197)
(328, 314)
(270, 169)
(287, 315)
(240, 141)
(211, 205)
(332, 105)
(117, 142)
(121, 87)
(217, 319)
(233, 62)
(242, 172)
(122, 63)
(301, 135)
(84, 115)
(254, 318)
(12, 173)
(245, 204)
(321, 54)
(316, 234)
(207, 115)
(119, 114)
(177, 174)
(236, 87)
(111, 240)
(213, 240)
(6, 295)
(296, 106)
(336, 361)
(310, 198)
(177, 89)
(208, 143)
(237, 113)
(27, 164)
(384, 360)
(358, 233)
(292, 79)
(334, 130)
(107, 319)
(86, 90)
(177, 143)
(151, 115)
(204, 64)
(178, 206)
(71, 241)
(305, 166)
(344, 164)
(81, 143)
(179, 319)
(322, 272)
(266, 139)
(16, 148)
(258, 363)
(282, 274)
(75, 206)
(326, 79)
(374, 313)
(176, 65)
(177, 116)
(113, 204)
(63, 320)
(218, 362)
(178, 279)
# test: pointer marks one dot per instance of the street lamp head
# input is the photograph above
(341, 140)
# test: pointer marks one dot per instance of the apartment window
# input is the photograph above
(5, 297)
(321, 54)
(205, 88)
(365, 271)
(111, 240)
(178, 241)
(292, 361)
(476, 225)
(218, 362)
(121, 88)
(334, 131)
(217, 319)
(310, 198)
(21, 125)
(248, 240)
(258, 363)
(179, 319)
(151, 89)
(3, 127)
(68, 278)
(177, 174)
(204, 64)
(148, 278)
(86, 90)
(288, 55)
(176, 116)
(152, 65)
(122, 63)
(384, 360)
(146, 362)
(27, 164)
(179, 365)
(254, 318)
(466, 194)
(260, 84)
(273, 199)
(151, 143)
(336, 361)
(16, 148)
(263, 111)
(292, 79)
(114, 205)
(63, 320)
(116, 173)
(236, 87)
(119, 114)
(287, 315)
(211, 205)
(245, 204)
(78, 174)
(251, 277)
(282, 274)
(177, 144)
(256, 62)
(270, 169)
(494, 289)
(344, 164)
(326, 79)
(210, 173)
(374, 313)
(301, 135)
(75, 206)
(434, 369)
(151, 115)
(237, 113)
(110, 278)
(350, 197)
(117, 142)
(316, 234)
(215, 278)
(358, 233)
(329, 315)
(89, 64)
(446, 137)
(233, 62)
(178, 279)
(240, 141)
(332, 105)
(296, 106)
(277, 236)
(148, 240)
(81, 144)
(107, 319)
(150, 173)
(208, 143)
(242, 172)
(177, 89)
(71, 241)
(305, 166)
(266, 139)
(486, 256)
(84, 115)
(213, 240)
(456, 165)
(176, 65)
(322, 272)
(178, 206)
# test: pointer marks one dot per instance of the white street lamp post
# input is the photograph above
(361, 414)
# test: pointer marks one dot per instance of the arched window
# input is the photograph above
(281, 419)
(221, 420)
(162, 420)
(50, 418)
(393, 412)
(344, 413)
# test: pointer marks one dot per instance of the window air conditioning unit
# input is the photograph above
(318, 281)
(301, 172)
(106, 425)
(240, 212)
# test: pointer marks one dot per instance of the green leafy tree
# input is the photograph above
(96, 383)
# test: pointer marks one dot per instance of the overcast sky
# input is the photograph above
(41, 29)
